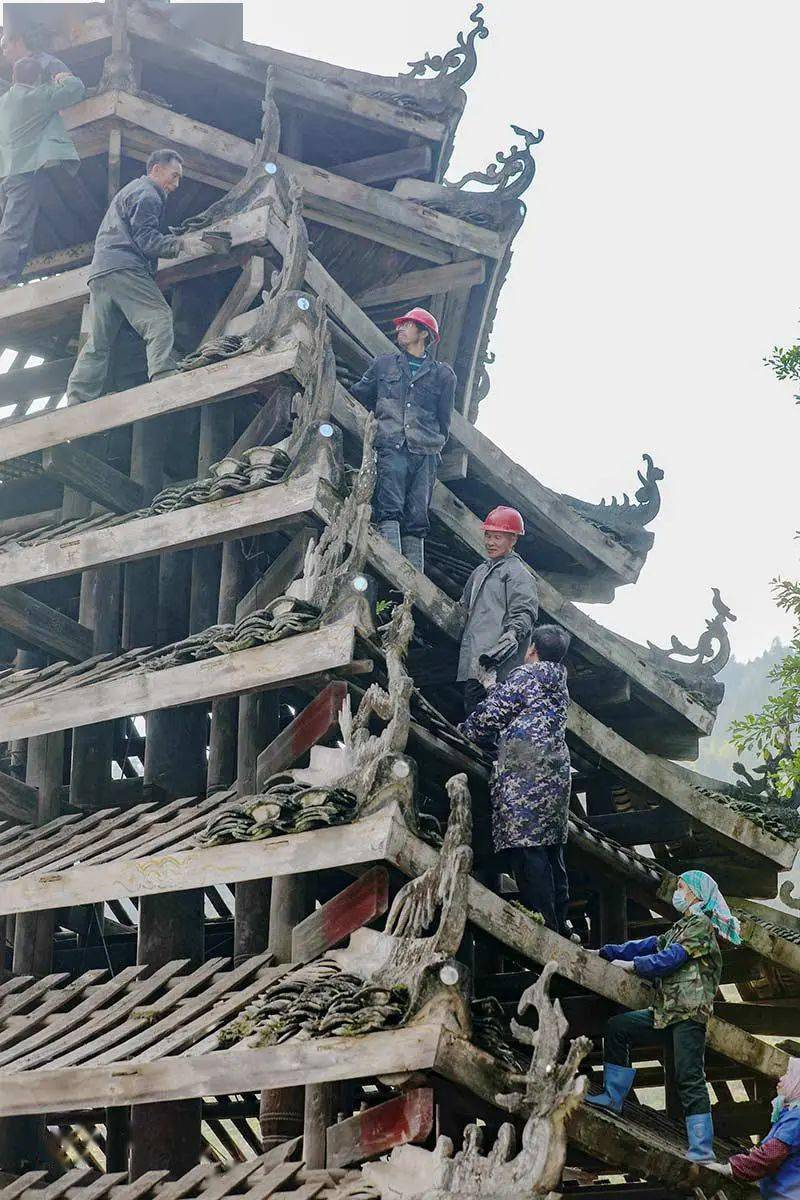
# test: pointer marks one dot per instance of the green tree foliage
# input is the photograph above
(773, 732)
(786, 364)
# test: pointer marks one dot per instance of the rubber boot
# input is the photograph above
(390, 530)
(700, 1136)
(414, 551)
(617, 1082)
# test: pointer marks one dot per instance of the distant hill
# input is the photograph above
(747, 686)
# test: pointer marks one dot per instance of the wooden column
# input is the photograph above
(222, 750)
(614, 912)
(22, 1138)
(258, 725)
(92, 745)
(168, 1136)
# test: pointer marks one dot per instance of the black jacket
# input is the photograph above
(130, 237)
(415, 410)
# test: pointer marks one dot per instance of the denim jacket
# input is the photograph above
(416, 410)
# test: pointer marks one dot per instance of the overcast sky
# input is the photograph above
(658, 264)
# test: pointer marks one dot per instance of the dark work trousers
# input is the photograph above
(120, 296)
(20, 199)
(542, 881)
(474, 692)
(403, 489)
(688, 1046)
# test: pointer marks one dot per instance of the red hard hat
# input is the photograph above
(505, 520)
(422, 317)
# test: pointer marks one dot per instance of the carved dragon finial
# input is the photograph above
(552, 1088)
(626, 518)
(457, 65)
(712, 651)
(511, 174)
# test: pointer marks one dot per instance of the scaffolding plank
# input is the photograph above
(278, 506)
(177, 870)
(180, 392)
(224, 1072)
(304, 656)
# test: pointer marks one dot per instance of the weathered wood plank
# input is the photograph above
(329, 925)
(93, 478)
(432, 281)
(19, 801)
(21, 387)
(397, 164)
(178, 393)
(143, 874)
(306, 655)
(659, 776)
(316, 719)
(250, 513)
(224, 1072)
(375, 1131)
(31, 621)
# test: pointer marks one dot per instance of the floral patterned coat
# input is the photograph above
(527, 716)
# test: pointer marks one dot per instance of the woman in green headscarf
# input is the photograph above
(685, 965)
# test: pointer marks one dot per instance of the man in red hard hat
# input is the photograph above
(412, 395)
(502, 606)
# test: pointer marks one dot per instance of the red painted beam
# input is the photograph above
(361, 902)
(316, 719)
(407, 1118)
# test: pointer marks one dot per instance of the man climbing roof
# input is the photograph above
(412, 395)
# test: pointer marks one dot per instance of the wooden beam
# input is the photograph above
(381, 168)
(90, 476)
(45, 302)
(34, 383)
(642, 827)
(432, 281)
(375, 1131)
(364, 841)
(657, 775)
(178, 393)
(34, 623)
(246, 515)
(307, 655)
(362, 902)
(223, 1073)
(19, 802)
(314, 722)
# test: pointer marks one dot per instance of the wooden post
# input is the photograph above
(92, 745)
(22, 1138)
(613, 912)
(222, 750)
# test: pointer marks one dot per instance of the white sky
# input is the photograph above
(658, 264)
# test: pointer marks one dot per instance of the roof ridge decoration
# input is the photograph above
(712, 651)
(552, 1088)
(627, 521)
(458, 65)
(510, 174)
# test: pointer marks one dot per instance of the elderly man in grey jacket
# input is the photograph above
(502, 606)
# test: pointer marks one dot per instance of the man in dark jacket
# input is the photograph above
(33, 142)
(21, 41)
(413, 399)
(122, 282)
(502, 606)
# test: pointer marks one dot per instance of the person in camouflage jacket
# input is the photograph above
(685, 966)
(526, 716)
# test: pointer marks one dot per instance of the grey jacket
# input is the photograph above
(130, 237)
(501, 597)
(416, 410)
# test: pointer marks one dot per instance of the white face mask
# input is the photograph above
(680, 902)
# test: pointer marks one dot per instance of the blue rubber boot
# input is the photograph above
(700, 1136)
(617, 1082)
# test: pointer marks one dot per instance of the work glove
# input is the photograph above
(505, 645)
(720, 1168)
(193, 243)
